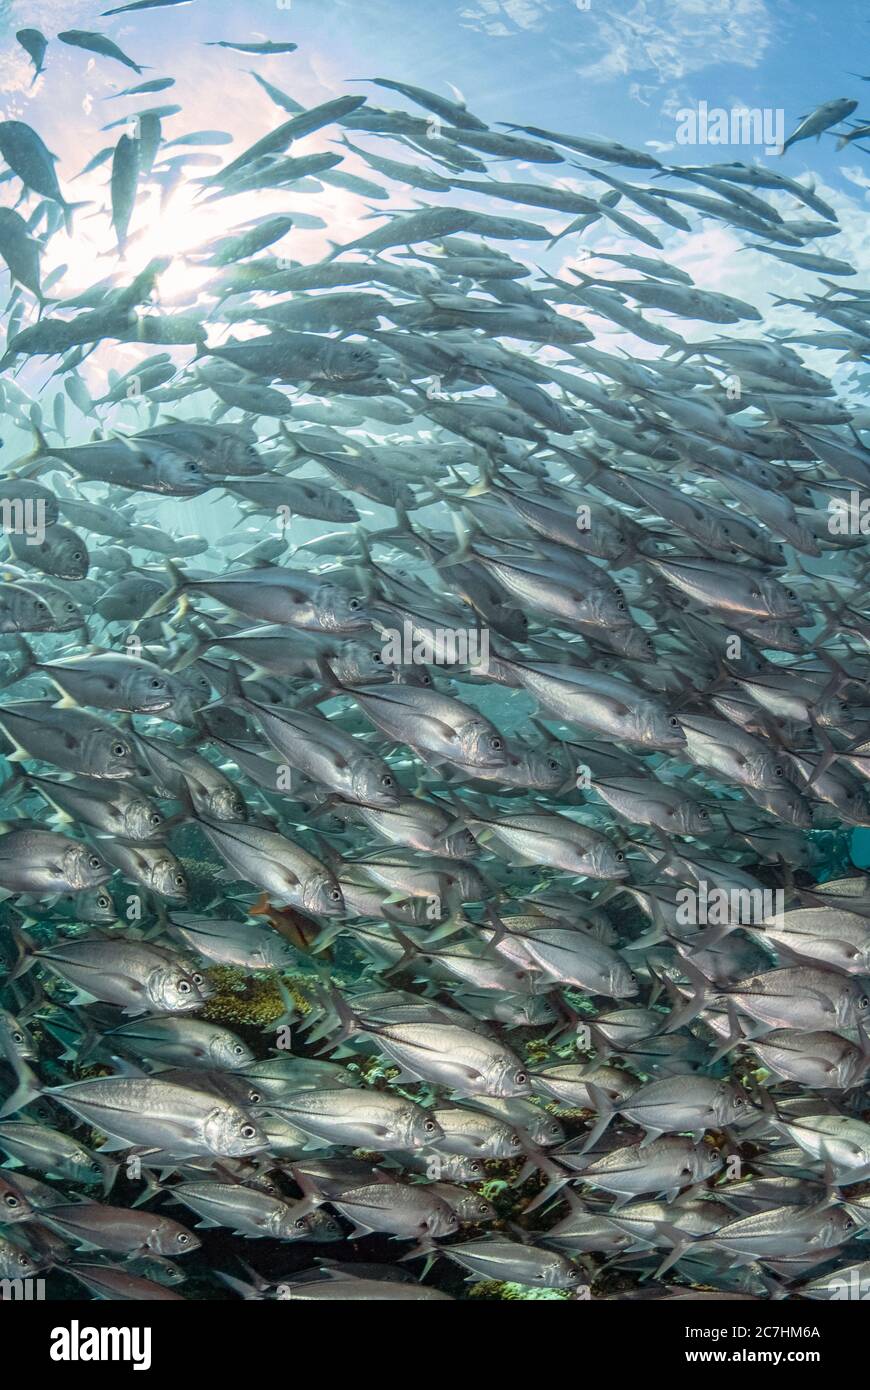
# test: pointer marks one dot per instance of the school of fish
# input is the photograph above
(570, 658)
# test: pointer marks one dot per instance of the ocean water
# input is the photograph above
(624, 73)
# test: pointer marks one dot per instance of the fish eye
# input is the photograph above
(119, 750)
(70, 607)
(248, 1132)
(183, 1238)
(335, 894)
(377, 658)
(299, 1223)
(674, 722)
(790, 593)
(429, 1126)
(778, 771)
(77, 555)
(198, 978)
(93, 861)
(386, 781)
(496, 744)
(155, 683)
(620, 605)
(155, 819)
(238, 1050)
(704, 815)
(179, 880)
(521, 1078)
(354, 604)
(619, 856)
(552, 765)
(103, 902)
(254, 1097)
(184, 987)
(11, 1201)
(515, 1139)
(863, 1002)
(18, 1037)
(43, 608)
(483, 1208)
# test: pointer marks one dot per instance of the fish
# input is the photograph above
(432, 673)
(267, 47)
(133, 977)
(31, 161)
(186, 1121)
(828, 114)
(35, 45)
(143, 5)
(125, 175)
(97, 43)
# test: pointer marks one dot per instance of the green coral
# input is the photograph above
(494, 1289)
(538, 1050)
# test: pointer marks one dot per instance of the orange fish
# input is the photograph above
(299, 930)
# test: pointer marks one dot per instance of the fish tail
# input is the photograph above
(312, 1195)
(32, 463)
(410, 951)
(693, 1005)
(246, 1291)
(735, 1037)
(680, 1244)
(30, 662)
(25, 953)
(28, 1089)
(552, 1189)
(427, 1247)
(177, 590)
(350, 1022)
(605, 1111)
(463, 550)
(68, 210)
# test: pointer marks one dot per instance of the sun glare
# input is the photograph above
(185, 224)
